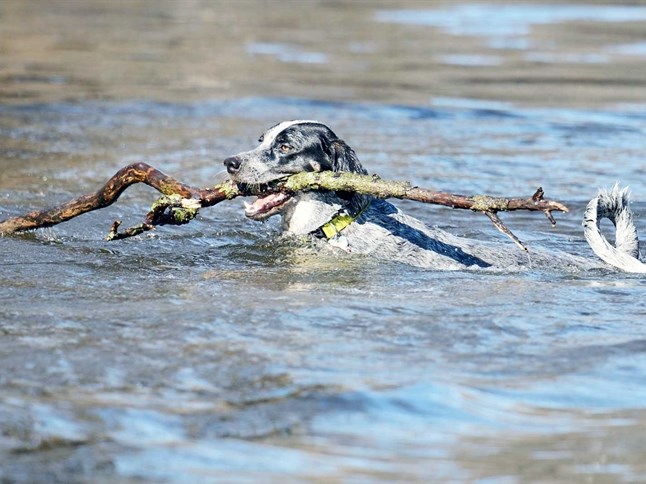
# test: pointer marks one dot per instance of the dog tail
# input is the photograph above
(613, 204)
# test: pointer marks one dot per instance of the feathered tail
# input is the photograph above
(613, 204)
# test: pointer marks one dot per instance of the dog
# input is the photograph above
(361, 224)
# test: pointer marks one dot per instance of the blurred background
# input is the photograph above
(539, 53)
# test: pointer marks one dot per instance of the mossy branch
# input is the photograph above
(377, 187)
(380, 188)
(180, 203)
(169, 209)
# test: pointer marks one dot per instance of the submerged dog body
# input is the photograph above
(362, 224)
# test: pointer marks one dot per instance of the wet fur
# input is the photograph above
(382, 230)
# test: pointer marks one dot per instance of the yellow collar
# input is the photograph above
(340, 221)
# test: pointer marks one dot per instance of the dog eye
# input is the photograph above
(285, 148)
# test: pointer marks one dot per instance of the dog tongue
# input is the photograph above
(261, 207)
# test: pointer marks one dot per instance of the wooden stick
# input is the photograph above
(110, 192)
(493, 216)
(377, 187)
(181, 202)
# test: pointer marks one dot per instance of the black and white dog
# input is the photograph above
(365, 225)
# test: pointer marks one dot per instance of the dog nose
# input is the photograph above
(233, 164)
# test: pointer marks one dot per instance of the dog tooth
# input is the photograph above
(247, 206)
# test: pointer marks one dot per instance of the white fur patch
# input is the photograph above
(308, 214)
(270, 134)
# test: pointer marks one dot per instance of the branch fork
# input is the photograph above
(167, 210)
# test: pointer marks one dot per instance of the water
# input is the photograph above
(212, 352)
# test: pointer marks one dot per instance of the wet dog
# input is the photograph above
(362, 224)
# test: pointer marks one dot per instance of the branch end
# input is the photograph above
(493, 216)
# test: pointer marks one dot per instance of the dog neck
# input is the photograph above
(309, 211)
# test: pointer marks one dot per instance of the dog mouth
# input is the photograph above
(265, 207)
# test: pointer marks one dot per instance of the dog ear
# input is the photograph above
(315, 165)
(343, 158)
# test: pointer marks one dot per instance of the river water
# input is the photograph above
(212, 352)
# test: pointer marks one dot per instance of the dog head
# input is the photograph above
(285, 149)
